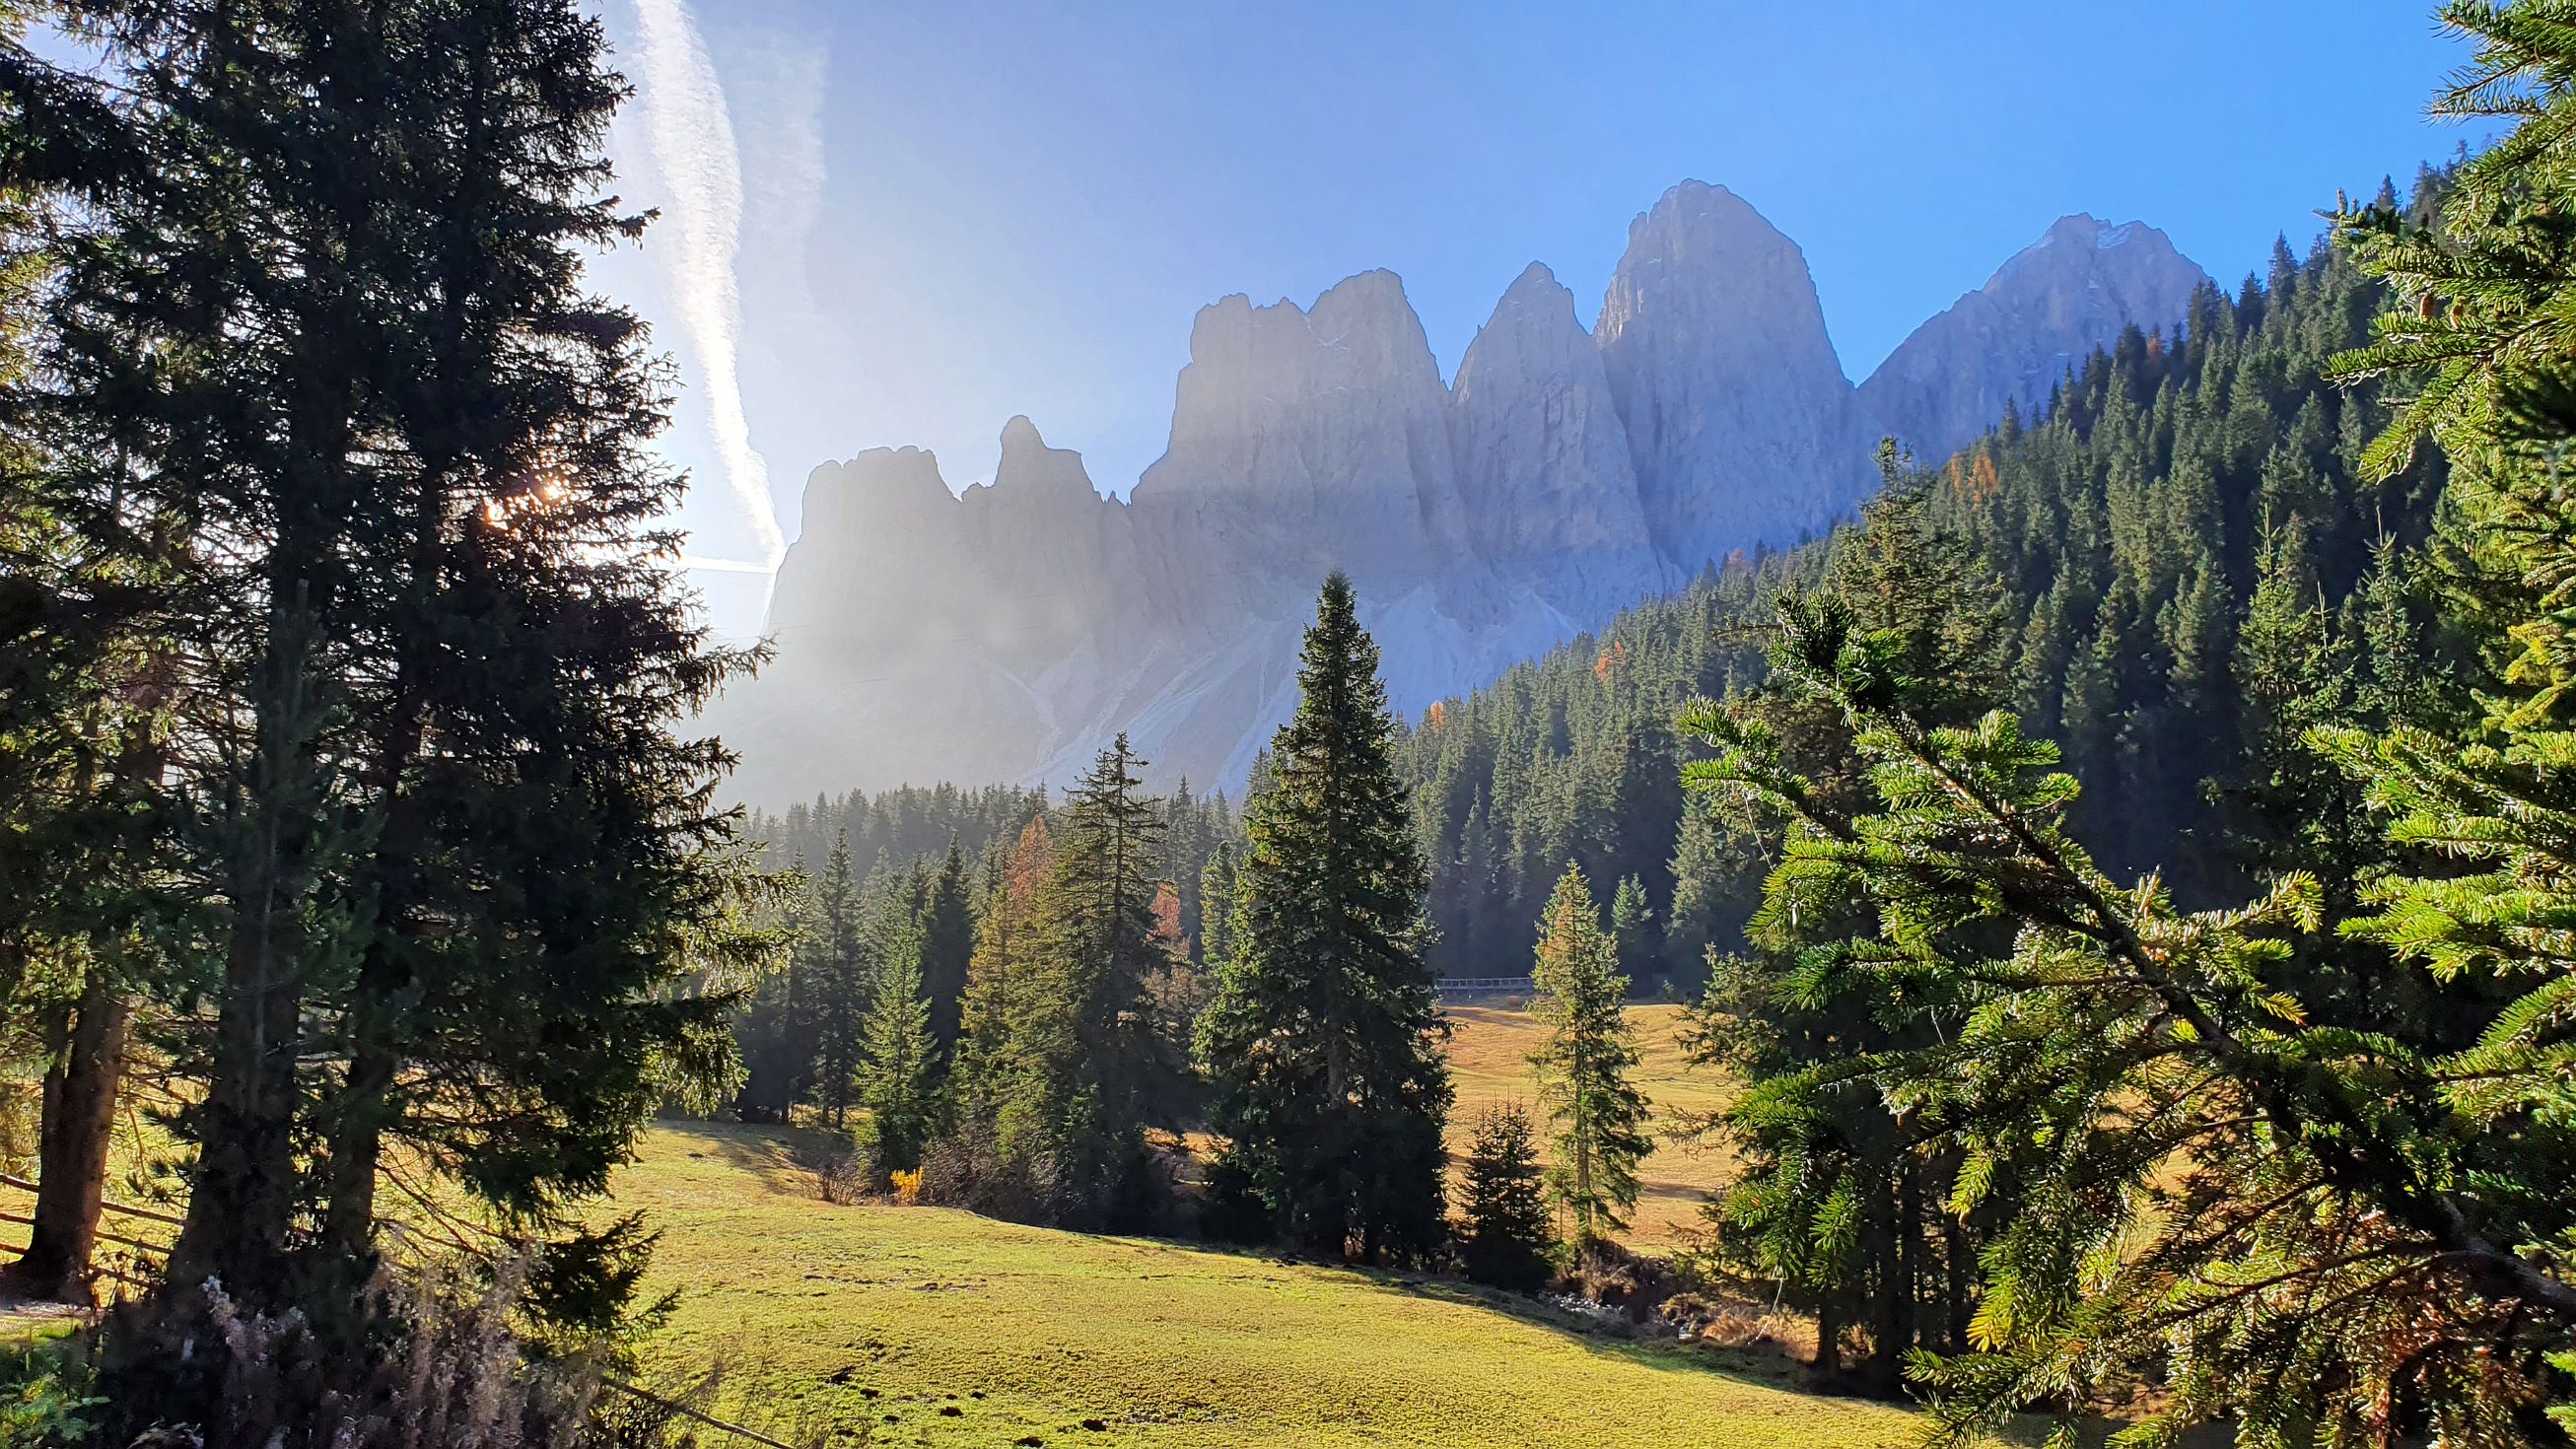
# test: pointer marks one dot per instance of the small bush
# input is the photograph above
(967, 1171)
(844, 1166)
(443, 1359)
(44, 1397)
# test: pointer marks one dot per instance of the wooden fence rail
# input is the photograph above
(1453, 988)
(27, 1185)
(102, 1234)
(145, 1255)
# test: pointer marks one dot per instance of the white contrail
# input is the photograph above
(700, 562)
(691, 138)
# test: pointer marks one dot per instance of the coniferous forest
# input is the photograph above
(2181, 564)
(2124, 878)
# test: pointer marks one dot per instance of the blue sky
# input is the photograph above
(953, 213)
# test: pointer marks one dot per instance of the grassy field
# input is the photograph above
(1489, 1058)
(925, 1326)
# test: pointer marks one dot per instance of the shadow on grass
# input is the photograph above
(772, 1154)
(1609, 1337)
(781, 1158)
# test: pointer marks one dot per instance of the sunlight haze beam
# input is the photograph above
(690, 135)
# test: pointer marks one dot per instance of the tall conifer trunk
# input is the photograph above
(1901, 1272)
(80, 1115)
(241, 1205)
(1828, 1362)
(1958, 1265)
(357, 1153)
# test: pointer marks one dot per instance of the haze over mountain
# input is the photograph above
(1006, 633)
(2042, 312)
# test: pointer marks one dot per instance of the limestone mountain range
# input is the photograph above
(1006, 632)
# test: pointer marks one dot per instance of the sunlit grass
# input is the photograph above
(1489, 1051)
(931, 1326)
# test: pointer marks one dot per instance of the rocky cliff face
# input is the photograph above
(1007, 632)
(1552, 499)
(1312, 439)
(1740, 421)
(2042, 312)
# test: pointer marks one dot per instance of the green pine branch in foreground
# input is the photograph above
(2312, 1229)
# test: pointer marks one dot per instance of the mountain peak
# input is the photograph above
(1371, 307)
(1543, 458)
(1312, 439)
(1536, 280)
(1028, 463)
(1692, 196)
(2083, 229)
(2047, 307)
(1716, 353)
(2083, 240)
(1695, 218)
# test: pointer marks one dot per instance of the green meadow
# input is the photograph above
(927, 1326)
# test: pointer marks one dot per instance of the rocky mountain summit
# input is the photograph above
(1005, 632)
(1740, 420)
(2041, 313)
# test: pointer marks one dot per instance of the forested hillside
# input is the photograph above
(2190, 571)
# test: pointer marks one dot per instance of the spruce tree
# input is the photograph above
(1006, 939)
(1085, 1074)
(776, 1031)
(330, 323)
(988, 1077)
(947, 949)
(1175, 990)
(86, 925)
(840, 968)
(1504, 1234)
(897, 1059)
(1633, 938)
(1218, 900)
(1926, 612)
(1598, 1115)
(1323, 1032)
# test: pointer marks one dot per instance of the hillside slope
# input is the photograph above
(934, 1327)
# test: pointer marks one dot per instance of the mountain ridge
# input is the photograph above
(1005, 631)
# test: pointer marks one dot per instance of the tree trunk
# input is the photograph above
(1828, 1362)
(1892, 1328)
(80, 1115)
(357, 1150)
(241, 1205)
(1958, 1263)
